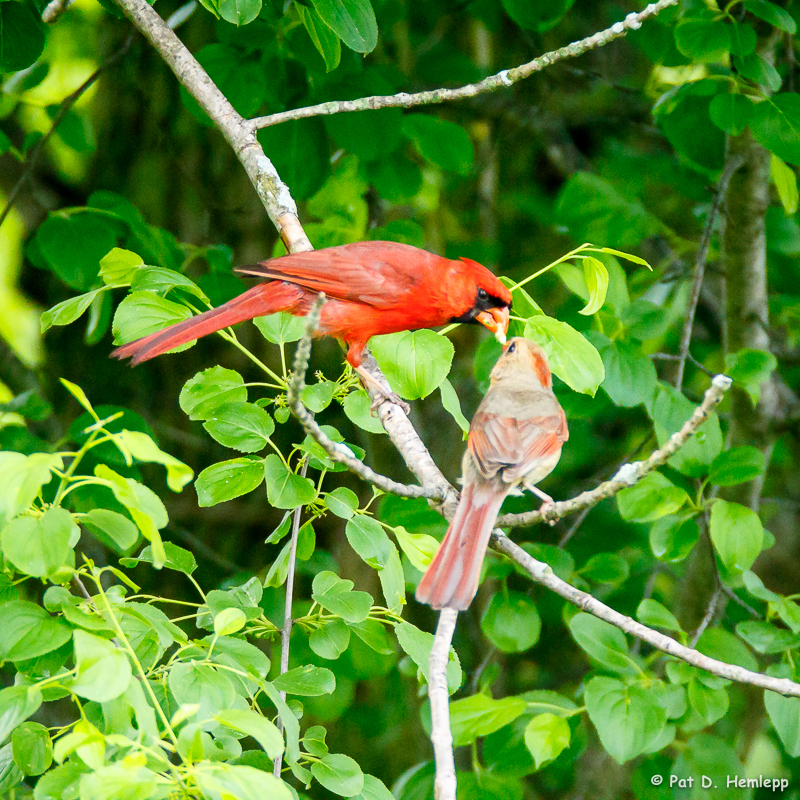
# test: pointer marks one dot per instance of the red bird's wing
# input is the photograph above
(379, 274)
(514, 445)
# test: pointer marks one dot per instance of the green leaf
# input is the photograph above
(104, 671)
(737, 465)
(245, 427)
(228, 479)
(17, 703)
(202, 685)
(654, 496)
(220, 781)
(143, 448)
(67, 311)
(339, 774)
(357, 409)
(118, 267)
(785, 183)
(10, 775)
(651, 612)
(342, 501)
(22, 478)
(330, 640)
(307, 681)
(28, 631)
(40, 546)
(627, 718)
(368, 538)
(325, 40)
(596, 277)
(710, 704)
(751, 369)
(419, 548)
(32, 748)
(452, 405)
(737, 534)
(511, 622)
(546, 736)
(670, 411)
(418, 645)
(143, 313)
(772, 13)
(286, 489)
(441, 142)
(353, 21)
(603, 642)
(254, 724)
(414, 362)
(606, 568)
(318, 396)
(480, 715)
(572, 357)
(704, 40)
(537, 16)
(374, 789)
(757, 69)
(784, 713)
(336, 595)
(21, 37)
(775, 123)
(210, 389)
(161, 280)
(175, 557)
(229, 621)
(239, 12)
(730, 112)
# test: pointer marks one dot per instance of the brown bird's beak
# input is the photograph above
(496, 320)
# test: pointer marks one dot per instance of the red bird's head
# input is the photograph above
(486, 300)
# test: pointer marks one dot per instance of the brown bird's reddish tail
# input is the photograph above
(266, 298)
(451, 580)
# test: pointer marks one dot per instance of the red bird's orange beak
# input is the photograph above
(496, 320)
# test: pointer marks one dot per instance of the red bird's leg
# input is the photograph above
(381, 395)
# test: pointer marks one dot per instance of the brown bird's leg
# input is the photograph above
(545, 498)
(381, 394)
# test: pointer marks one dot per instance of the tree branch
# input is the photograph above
(628, 474)
(441, 737)
(507, 77)
(541, 573)
(271, 190)
(338, 452)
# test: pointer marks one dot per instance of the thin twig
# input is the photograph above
(441, 737)
(63, 110)
(542, 574)
(507, 77)
(700, 266)
(286, 630)
(628, 474)
(707, 617)
(338, 452)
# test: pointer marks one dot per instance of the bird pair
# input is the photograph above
(377, 288)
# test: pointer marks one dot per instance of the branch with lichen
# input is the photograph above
(628, 474)
(338, 452)
(504, 78)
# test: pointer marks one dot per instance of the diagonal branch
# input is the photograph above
(507, 77)
(542, 574)
(338, 452)
(628, 474)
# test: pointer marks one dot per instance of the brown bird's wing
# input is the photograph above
(379, 274)
(514, 445)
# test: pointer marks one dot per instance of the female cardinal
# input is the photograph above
(372, 288)
(515, 438)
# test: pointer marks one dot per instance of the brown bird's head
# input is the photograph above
(486, 300)
(522, 358)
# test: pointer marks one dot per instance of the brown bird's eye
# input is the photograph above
(511, 348)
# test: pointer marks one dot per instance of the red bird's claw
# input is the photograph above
(389, 397)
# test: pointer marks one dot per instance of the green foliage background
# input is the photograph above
(156, 672)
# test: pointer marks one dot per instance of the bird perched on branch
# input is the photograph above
(515, 439)
(371, 287)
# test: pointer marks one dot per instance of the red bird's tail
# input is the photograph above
(451, 580)
(266, 298)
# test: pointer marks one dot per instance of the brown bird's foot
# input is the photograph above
(381, 395)
(548, 504)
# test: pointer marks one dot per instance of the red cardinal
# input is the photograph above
(372, 288)
(514, 439)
